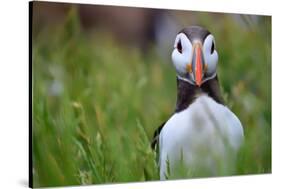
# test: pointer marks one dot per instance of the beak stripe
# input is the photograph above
(198, 67)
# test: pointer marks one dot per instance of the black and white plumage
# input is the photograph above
(202, 133)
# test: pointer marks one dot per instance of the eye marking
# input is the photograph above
(179, 46)
(213, 47)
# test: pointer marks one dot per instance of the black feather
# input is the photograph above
(155, 139)
(187, 92)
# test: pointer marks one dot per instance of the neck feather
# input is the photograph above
(187, 92)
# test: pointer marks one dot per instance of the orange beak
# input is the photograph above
(197, 64)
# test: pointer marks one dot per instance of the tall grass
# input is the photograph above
(96, 102)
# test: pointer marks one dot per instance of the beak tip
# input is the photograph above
(198, 83)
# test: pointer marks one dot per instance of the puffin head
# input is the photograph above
(194, 56)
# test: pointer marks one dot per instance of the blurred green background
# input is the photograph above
(103, 81)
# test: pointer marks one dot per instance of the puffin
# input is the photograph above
(203, 136)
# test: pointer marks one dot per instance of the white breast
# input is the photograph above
(203, 138)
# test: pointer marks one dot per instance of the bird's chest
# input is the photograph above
(198, 136)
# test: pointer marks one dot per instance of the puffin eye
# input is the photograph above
(179, 46)
(212, 48)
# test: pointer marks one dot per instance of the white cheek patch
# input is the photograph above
(180, 60)
(211, 59)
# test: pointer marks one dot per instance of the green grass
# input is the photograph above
(97, 102)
